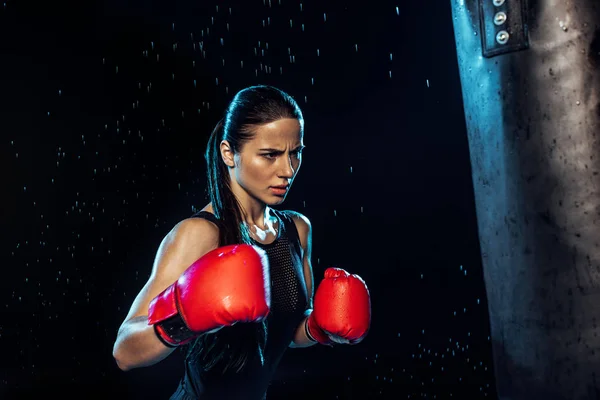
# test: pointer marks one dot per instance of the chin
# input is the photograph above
(274, 201)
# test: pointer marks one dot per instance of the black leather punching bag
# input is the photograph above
(530, 74)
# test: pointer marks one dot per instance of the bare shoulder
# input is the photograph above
(187, 241)
(303, 226)
(193, 226)
(194, 232)
(299, 219)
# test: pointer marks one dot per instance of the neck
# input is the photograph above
(257, 217)
(254, 213)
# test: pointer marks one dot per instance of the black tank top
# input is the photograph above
(289, 301)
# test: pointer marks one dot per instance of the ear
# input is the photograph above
(227, 154)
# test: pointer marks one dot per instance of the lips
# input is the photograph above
(279, 190)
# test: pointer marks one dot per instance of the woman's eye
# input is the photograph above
(297, 154)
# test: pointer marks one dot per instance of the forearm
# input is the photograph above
(138, 346)
(300, 337)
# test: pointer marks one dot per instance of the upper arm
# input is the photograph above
(304, 228)
(189, 240)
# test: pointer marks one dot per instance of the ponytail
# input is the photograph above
(232, 346)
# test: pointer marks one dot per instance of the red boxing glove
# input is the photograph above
(228, 285)
(342, 308)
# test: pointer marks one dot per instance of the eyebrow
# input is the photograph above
(301, 147)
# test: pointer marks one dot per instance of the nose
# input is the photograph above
(287, 169)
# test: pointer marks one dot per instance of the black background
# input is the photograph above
(105, 111)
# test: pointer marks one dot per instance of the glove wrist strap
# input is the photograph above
(308, 335)
(161, 337)
(314, 331)
(173, 332)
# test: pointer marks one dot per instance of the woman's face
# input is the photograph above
(265, 167)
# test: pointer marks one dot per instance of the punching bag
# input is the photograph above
(530, 76)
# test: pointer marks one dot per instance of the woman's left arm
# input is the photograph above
(305, 233)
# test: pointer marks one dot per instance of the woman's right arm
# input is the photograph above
(137, 344)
